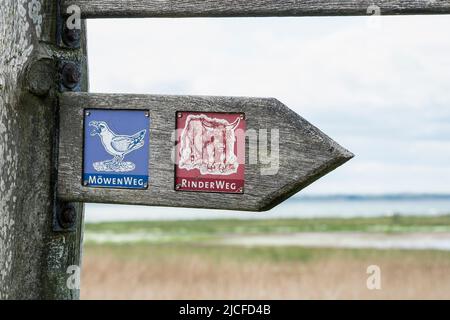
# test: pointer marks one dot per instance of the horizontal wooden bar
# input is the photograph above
(253, 8)
(305, 153)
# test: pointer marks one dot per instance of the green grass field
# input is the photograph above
(201, 230)
(150, 252)
(184, 260)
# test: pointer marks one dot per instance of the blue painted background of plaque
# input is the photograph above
(121, 122)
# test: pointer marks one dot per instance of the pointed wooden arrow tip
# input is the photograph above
(305, 155)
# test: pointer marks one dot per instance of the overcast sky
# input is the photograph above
(378, 86)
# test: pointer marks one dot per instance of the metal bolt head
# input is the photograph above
(178, 187)
(147, 114)
(180, 115)
(71, 37)
(243, 116)
(67, 216)
(71, 75)
(88, 113)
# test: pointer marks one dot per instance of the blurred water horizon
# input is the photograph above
(302, 206)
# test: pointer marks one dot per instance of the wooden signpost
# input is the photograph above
(252, 8)
(301, 152)
(60, 148)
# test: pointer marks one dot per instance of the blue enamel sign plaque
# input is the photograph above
(116, 148)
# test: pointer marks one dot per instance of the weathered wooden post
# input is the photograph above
(35, 249)
(180, 151)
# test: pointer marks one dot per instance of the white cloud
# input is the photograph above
(382, 91)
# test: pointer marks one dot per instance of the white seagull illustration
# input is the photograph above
(117, 145)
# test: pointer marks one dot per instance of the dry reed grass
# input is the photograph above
(107, 275)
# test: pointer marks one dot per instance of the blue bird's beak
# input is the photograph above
(96, 128)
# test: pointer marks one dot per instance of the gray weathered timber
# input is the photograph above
(305, 153)
(33, 259)
(253, 8)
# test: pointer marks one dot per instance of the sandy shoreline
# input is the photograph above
(354, 240)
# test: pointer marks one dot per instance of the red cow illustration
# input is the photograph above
(208, 144)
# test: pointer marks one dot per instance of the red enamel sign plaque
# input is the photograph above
(210, 152)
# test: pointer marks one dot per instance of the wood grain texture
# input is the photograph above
(33, 258)
(253, 8)
(306, 154)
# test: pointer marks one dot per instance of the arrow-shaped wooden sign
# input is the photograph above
(183, 151)
(253, 8)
